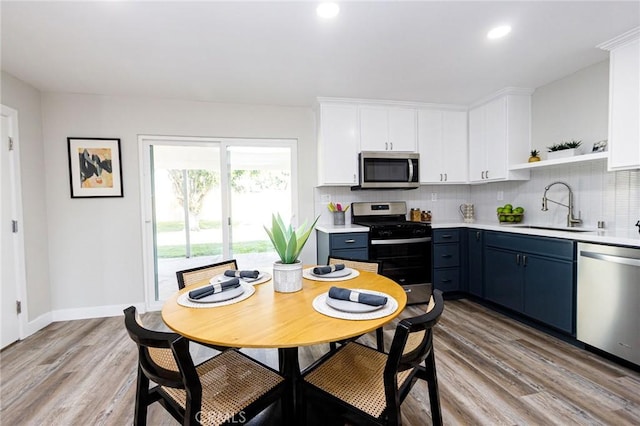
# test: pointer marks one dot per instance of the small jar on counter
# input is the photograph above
(415, 215)
(426, 216)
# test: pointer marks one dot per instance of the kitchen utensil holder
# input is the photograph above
(338, 218)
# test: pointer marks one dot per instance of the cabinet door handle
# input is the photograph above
(440, 177)
(524, 260)
(386, 146)
(482, 175)
(349, 241)
(477, 235)
(354, 178)
(486, 174)
(446, 236)
(391, 145)
(445, 281)
(518, 259)
(446, 256)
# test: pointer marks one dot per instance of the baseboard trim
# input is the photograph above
(94, 312)
(37, 324)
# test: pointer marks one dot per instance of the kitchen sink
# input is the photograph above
(555, 228)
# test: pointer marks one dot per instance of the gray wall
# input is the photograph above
(96, 244)
(26, 100)
(575, 107)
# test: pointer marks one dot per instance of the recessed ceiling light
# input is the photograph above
(499, 32)
(328, 10)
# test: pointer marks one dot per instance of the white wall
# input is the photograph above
(25, 99)
(96, 244)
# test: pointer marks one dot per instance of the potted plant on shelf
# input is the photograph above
(288, 242)
(535, 156)
(564, 149)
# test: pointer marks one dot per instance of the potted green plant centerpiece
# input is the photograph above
(564, 149)
(288, 242)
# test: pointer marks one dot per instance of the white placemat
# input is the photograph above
(320, 305)
(183, 299)
(264, 277)
(306, 273)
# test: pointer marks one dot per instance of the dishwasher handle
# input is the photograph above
(611, 258)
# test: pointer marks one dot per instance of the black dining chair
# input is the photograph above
(228, 388)
(371, 384)
(374, 266)
(191, 276)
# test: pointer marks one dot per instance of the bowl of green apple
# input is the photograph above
(508, 214)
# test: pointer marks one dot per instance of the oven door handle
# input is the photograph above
(401, 241)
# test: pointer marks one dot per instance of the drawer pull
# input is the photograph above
(445, 281)
(349, 241)
(446, 256)
(446, 236)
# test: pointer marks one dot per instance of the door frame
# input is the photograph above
(18, 242)
(144, 143)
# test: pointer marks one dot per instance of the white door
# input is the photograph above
(454, 146)
(430, 143)
(206, 200)
(374, 129)
(11, 234)
(402, 129)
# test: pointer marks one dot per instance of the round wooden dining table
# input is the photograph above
(286, 321)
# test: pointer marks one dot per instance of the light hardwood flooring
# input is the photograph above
(491, 370)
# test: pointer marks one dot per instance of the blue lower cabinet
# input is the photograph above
(446, 260)
(447, 279)
(348, 245)
(534, 276)
(475, 262)
(549, 292)
(503, 279)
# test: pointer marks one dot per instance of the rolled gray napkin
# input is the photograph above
(241, 274)
(356, 296)
(214, 288)
(321, 270)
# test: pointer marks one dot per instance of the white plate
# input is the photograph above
(348, 306)
(335, 274)
(220, 297)
(223, 277)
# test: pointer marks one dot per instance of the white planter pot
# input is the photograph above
(563, 153)
(287, 278)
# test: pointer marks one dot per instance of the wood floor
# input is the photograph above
(491, 370)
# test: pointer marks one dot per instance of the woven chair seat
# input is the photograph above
(354, 368)
(230, 382)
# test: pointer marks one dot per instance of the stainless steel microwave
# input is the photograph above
(388, 170)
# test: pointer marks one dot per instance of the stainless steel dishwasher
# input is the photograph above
(608, 316)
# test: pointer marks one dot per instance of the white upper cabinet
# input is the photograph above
(387, 128)
(442, 143)
(338, 144)
(624, 101)
(500, 136)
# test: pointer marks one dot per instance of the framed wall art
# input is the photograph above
(95, 168)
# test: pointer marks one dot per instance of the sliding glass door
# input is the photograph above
(207, 200)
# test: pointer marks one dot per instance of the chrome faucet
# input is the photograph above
(571, 221)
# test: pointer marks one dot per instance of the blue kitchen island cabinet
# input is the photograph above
(348, 245)
(534, 276)
(446, 260)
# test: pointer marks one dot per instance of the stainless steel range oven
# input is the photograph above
(403, 247)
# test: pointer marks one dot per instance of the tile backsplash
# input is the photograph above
(599, 195)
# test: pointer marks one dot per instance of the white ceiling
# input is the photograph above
(281, 53)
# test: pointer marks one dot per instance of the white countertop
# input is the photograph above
(340, 229)
(604, 236)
